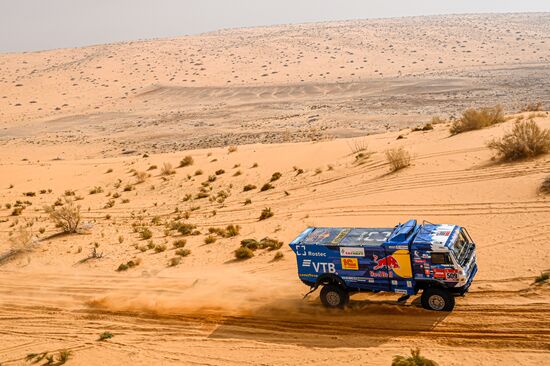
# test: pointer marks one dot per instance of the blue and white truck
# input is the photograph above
(437, 259)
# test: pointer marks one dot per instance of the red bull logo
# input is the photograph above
(388, 262)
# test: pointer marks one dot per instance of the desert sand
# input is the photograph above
(97, 125)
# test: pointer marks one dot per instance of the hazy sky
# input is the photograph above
(27, 25)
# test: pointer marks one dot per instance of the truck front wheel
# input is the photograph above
(437, 299)
(333, 296)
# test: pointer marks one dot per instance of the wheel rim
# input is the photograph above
(436, 302)
(333, 298)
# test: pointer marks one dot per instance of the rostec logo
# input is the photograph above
(352, 252)
(350, 263)
(320, 267)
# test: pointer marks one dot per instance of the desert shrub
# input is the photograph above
(232, 230)
(128, 187)
(105, 335)
(243, 253)
(167, 169)
(266, 213)
(145, 233)
(116, 195)
(275, 176)
(544, 276)
(96, 190)
(69, 192)
(231, 149)
(270, 244)
(185, 228)
(186, 161)
(174, 261)
(122, 267)
(413, 360)
(357, 145)
(220, 172)
(251, 244)
(526, 140)
(545, 186)
(141, 177)
(209, 239)
(249, 187)
(237, 173)
(532, 107)
(66, 217)
(248, 201)
(17, 211)
(29, 194)
(198, 172)
(152, 167)
(42, 230)
(109, 171)
(180, 243)
(120, 239)
(476, 119)
(398, 158)
(109, 204)
(159, 248)
(266, 186)
(255, 165)
(212, 178)
(278, 256)
(150, 244)
(437, 120)
(183, 252)
(201, 195)
(63, 356)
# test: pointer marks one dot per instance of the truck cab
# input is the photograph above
(437, 259)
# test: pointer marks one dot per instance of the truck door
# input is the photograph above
(377, 271)
(399, 267)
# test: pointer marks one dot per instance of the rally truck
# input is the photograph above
(437, 259)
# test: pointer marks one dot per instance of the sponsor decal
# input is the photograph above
(378, 274)
(306, 263)
(352, 252)
(301, 251)
(388, 262)
(448, 274)
(350, 263)
(399, 291)
(341, 235)
(409, 284)
(319, 267)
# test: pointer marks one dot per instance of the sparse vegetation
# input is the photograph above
(174, 261)
(167, 169)
(275, 176)
(145, 233)
(159, 248)
(141, 177)
(220, 172)
(398, 158)
(266, 213)
(183, 252)
(476, 119)
(415, 359)
(231, 149)
(545, 186)
(180, 243)
(544, 276)
(533, 107)
(266, 187)
(209, 239)
(249, 187)
(526, 140)
(278, 256)
(96, 190)
(105, 335)
(186, 161)
(243, 253)
(67, 217)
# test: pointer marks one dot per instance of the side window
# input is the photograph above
(440, 258)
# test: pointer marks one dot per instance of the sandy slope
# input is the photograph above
(212, 310)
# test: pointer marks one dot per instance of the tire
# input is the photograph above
(437, 299)
(333, 296)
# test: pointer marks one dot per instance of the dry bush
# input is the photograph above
(141, 177)
(167, 169)
(231, 149)
(243, 253)
(533, 107)
(358, 145)
(183, 252)
(275, 176)
(174, 261)
(22, 239)
(545, 186)
(526, 140)
(146, 233)
(249, 187)
(278, 256)
(180, 243)
(476, 119)
(398, 158)
(209, 239)
(413, 360)
(266, 213)
(186, 161)
(266, 187)
(96, 190)
(66, 217)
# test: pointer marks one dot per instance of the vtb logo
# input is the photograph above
(319, 267)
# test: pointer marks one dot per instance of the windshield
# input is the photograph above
(460, 247)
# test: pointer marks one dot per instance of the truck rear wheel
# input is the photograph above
(333, 296)
(437, 299)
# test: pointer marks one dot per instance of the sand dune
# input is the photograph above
(329, 89)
